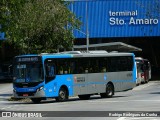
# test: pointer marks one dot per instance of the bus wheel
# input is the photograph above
(63, 96)
(84, 97)
(36, 100)
(146, 81)
(109, 91)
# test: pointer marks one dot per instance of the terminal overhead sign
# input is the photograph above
(117, 18)
(133, 19)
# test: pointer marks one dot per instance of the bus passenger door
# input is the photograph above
(49, 78)
(80, 76)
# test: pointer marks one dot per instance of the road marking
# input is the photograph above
(105, 101)
(146, 100)
(101, 101)
(9, 107)
(6, 107)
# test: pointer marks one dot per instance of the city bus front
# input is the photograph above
(28, 81)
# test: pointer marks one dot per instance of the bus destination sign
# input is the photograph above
(27, 59)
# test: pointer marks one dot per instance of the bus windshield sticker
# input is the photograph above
(21, 66)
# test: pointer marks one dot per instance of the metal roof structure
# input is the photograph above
(113, 46)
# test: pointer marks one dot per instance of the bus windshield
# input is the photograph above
(139, 66)
(28, 73)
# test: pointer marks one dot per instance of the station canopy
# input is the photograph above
(113, 46)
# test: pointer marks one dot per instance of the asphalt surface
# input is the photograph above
(142, 101)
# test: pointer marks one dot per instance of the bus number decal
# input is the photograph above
(80, 79)
(129, 75)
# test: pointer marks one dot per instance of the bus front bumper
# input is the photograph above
(37, 94)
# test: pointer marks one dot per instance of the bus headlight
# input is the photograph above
(14, 90)
(39, 89)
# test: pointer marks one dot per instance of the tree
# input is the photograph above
(36, 26)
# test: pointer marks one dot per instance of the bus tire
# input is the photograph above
(109, 91)
(103, 95)
(36, 100)
(146, 81)
(62, 95)
(84, 97)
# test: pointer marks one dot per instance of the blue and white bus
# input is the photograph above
(62, 75)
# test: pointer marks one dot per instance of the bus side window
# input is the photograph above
(60, 70)
(80, 70)
(65, 66)
(86, 70)
(60, 66)
(79, 66)
(72, 68)
(102, 65)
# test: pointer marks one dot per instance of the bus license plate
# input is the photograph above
(25, 95)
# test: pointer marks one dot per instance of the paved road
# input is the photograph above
(145, 97)
(5, 91)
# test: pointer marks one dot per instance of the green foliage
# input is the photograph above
(37, 26)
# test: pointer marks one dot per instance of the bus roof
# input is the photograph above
(69, 54)
(72, 54)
